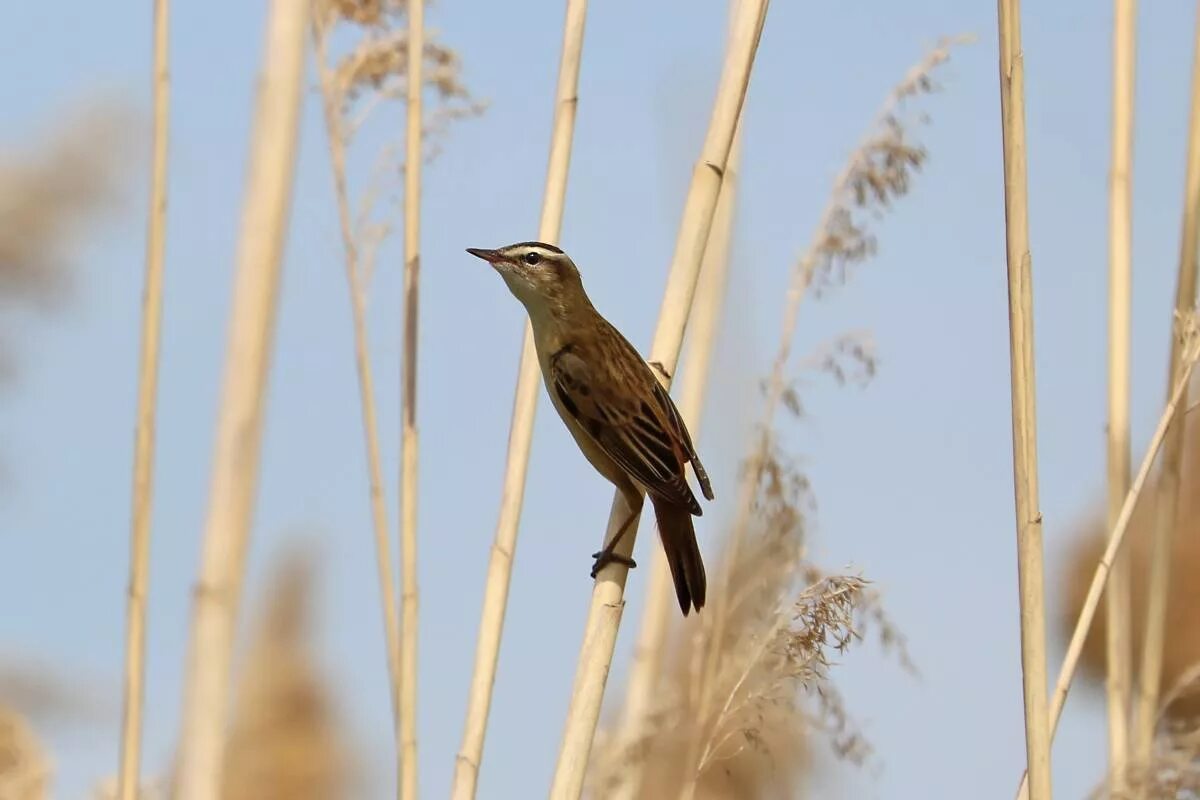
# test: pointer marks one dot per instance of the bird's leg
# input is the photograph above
(608, 555)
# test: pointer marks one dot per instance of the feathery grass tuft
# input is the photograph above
(1172, 771)
(25, 770)
(51, 193)
(285, 742)
(877, 173)
(1181, 645)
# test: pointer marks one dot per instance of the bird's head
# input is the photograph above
(541, 276)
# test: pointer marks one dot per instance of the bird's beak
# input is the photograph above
(493, 257)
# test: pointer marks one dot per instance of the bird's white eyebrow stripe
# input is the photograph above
(542, 245)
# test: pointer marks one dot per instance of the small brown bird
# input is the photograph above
(620, 415)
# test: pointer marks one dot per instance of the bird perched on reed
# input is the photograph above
(619, 414)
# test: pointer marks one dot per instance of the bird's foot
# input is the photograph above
(657, 366)
(606, 557)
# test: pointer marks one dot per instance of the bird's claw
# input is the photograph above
(658, 366)
(606, 557)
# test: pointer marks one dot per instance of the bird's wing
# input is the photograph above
(685, 438)
(637, 430)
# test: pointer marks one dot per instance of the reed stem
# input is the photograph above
(1030, 572)
(128, 775)
(240, 423)
(409, 441)
(520, 436)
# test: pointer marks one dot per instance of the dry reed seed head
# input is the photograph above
(49, 193)
(764, 748)
(850, 358)
(790, 659)
(285, 742)
(368, 13)
(1173, 772)
(24, 767)
(1181, 649)
(379, 63)
(375, 71)
(775, 642)
(877, 173)
(824, 613)
(39, 692)
(785, 617)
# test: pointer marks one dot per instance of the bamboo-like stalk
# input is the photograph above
(355, 278)
(520, 437)
(1120, 224)
(1091, 602)
(408, 484)
(1024, 408)
(239, 428)
(660, 592)
(1167, 493)
(604, 615)
(128, 775)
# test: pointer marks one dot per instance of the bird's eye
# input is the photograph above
(532, 259)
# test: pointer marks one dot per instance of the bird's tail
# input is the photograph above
(683, 554)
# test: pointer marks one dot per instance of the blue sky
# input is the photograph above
(912, 475)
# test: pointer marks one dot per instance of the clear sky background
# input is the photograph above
(912, 474)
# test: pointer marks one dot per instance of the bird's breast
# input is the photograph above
(546, 345)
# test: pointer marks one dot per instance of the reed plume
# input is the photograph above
(25, 771)
(1181, 644)
(739, 681)
(877, 173)
(286, 740)
(51, 194)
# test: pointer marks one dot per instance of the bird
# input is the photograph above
(620, 415)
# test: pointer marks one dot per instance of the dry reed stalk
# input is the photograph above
(1120, 223)
(1173, 770)
(357, 268)
(788, 618)
(408, 485)
(239, 430)
(604, 615)
(143, 469)
(520, 437)
(1024, 408)
(1167, 504)
(660, 597)
(1186, 329)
